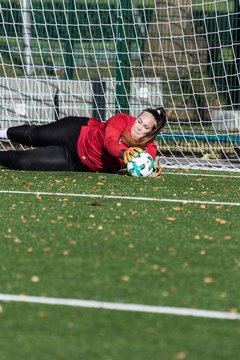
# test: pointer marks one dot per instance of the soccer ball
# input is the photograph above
(142, 165)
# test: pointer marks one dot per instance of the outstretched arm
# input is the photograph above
(114, 129)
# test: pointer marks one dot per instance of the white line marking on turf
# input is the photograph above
(228, 176)
(137, 198)
(121, 307)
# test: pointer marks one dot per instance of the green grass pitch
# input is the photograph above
(120, 250)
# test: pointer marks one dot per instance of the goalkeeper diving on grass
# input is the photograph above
(83, 144)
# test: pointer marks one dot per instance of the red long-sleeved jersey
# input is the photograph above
(100, 143)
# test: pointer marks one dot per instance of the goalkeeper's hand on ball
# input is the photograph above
(131, 153)
(157, 168)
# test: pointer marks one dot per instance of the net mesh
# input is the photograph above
(97, 58)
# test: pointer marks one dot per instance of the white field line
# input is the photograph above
(136, 198)
(227, 176)
(121, 307)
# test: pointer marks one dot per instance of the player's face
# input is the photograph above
(143, 126)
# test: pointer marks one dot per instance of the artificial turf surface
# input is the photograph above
(118, 250)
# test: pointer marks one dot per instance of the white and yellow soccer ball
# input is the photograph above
(142, 165)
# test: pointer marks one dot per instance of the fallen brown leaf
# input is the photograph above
(180, 355)
(208, 280)
(95, 203)
(177, 208)
(220, 221)
(125, 278)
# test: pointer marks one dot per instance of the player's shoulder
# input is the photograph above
(93, 122)
(121, 117)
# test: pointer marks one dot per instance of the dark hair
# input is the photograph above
(159, 115)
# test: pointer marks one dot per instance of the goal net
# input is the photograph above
(98, 58)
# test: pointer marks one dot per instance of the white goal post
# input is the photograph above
(97, 58)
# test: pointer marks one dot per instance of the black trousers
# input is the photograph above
(54, 146)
